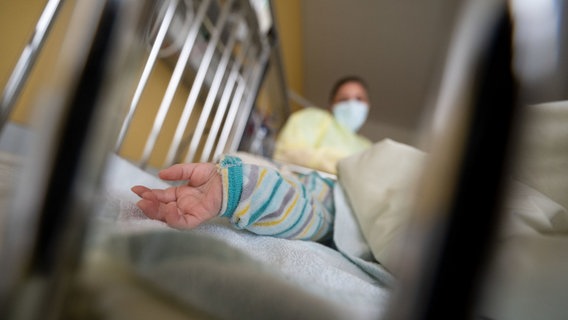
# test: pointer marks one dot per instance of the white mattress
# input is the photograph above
(225, 272)
(214, 270)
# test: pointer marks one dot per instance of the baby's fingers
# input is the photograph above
(150, 208)
(166, 195)
(139, 190)
(180, 171)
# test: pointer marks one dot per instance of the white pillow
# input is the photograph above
(542, 159)
(380, 183)
(531, 213)
(537, 196)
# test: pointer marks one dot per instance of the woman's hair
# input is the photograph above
(345, 80)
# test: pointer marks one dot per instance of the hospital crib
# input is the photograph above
(215, 56)
(224, 91)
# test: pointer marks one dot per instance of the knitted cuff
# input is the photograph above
(231, 170)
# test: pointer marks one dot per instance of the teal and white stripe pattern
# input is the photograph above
(269, 202)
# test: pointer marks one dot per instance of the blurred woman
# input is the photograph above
(317, 138)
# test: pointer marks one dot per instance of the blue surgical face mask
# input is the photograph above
(351, 113)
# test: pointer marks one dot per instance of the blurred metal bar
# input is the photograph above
(211, 96)
(56, 194)
(231, 115)
(197, 84)
(238, 129)
(27, 60)
(174, 82)
(459, 209)
(225, 99)
(164, 26)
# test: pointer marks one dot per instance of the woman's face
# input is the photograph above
(350, 105)
(351, 91)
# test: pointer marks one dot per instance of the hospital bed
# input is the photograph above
(209, 75)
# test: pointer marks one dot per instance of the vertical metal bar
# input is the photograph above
(197, 84)
(235, 104)
(238, 129)
(224, 102)
(168, 17)
(27, 59)
(466, 173)
(94, 69)
(211, 96)
(174, 82)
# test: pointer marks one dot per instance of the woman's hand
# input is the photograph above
(186, 206)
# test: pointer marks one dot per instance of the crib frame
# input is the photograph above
(238, 54)
(233, 96)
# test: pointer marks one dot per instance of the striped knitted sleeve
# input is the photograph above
(267, 202)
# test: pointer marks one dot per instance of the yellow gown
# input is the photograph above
(312, 138)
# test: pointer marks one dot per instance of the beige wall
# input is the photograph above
(290, 30)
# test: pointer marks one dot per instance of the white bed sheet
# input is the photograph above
(230, 273)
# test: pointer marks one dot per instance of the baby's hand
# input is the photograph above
(186, 206)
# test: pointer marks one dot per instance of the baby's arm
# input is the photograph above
(272, 203)
(255, 198)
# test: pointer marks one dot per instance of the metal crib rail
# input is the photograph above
(220, 76)
(100, 59)
(198, 82)
(458, 210)
(237, 130)
(484, 94)
(152, 58)
(27, 60)
(211, 97)
(242, 84)
(56, 194)
(224, 101)
(174, 82)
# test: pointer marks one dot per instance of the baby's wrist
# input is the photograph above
(231, 171)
